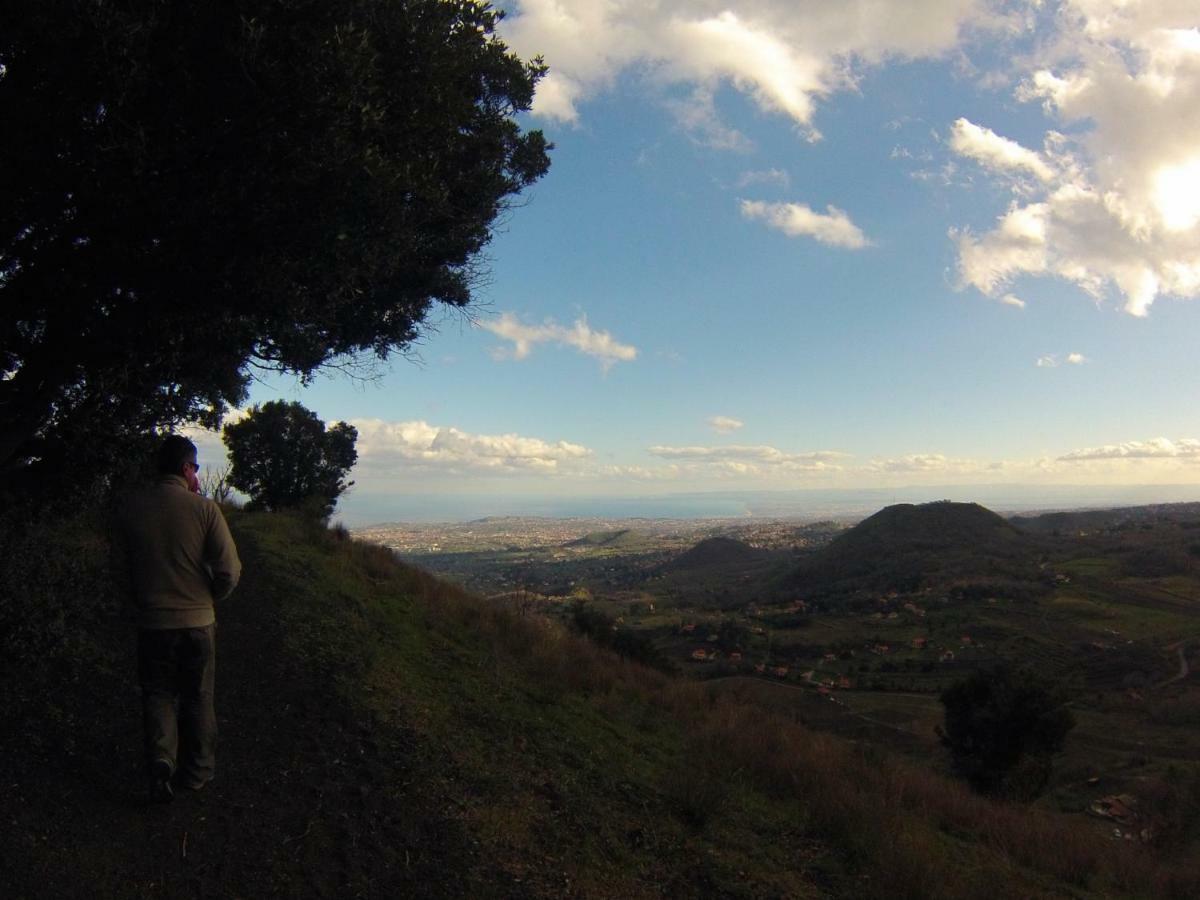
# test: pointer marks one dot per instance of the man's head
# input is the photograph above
(177, 456)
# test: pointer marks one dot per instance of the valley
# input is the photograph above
(857, 629)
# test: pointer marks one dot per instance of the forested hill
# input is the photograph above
(907, 547)
(385, 735)
(714, 552)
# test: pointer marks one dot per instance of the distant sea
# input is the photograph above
(357, 510)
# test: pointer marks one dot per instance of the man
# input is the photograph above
(182, 560)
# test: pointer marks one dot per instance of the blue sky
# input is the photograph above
(822, 245)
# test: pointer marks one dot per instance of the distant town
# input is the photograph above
(550, 555)
(528, 532)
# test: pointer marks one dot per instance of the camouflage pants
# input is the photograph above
(176, 668)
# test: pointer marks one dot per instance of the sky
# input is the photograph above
(831, 244)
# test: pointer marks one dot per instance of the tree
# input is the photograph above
(283, 456)
(1003, 728)
(731, 635)
(192, 190)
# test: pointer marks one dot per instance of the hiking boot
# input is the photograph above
(195, 784)
(160, 781)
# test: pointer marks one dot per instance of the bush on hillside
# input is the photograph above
(604, 631)
(60, 606)
(1155, 562)
(1002, 728)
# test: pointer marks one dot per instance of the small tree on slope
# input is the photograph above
(1003, 728)
(284, 457)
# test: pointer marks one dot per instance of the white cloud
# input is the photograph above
(1012, 300)
(1158, 448)
(1051, 360)
(746, 460)
(725, 424)
(699, 118)
(797, 220)
(1116, 200)
(1018, 244)
(770, 177)
(783, 54)
(995, 152)
(210, 449)
(404, 446)
(600, 345)
(921, 463)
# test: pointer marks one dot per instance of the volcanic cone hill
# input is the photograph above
(621, 539)
(910, 547)
(714, 552)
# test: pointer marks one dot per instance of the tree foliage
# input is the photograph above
(630, 644)
(282, 455)
(1003, 728)
(191, 189)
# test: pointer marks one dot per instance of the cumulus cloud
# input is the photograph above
(833, 227)
(1114, 207)
(725, 424)
(783, 54)
(1012, 300)
(747, 460)
(1158, 448)
(995, 152)
(1017, 244)
(600, 345)
(934, 463)
(1076, 359)
(411, 445)
(210, 448)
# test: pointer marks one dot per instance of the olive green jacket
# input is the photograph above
(182, 558)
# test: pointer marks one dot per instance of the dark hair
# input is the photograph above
(174, 451)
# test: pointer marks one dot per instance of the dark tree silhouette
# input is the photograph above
(1002, 728)
(283, 456)
(189, 190)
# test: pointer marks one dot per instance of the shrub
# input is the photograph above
(1002, 729)
(630, 644)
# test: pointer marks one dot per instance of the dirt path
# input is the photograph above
(1180, 647)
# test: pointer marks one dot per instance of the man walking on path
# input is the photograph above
(182, 560)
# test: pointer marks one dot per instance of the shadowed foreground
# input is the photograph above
(384, 734)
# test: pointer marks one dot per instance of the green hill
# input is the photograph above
(713, 553)
(387, 735)
(908, 547)
(622, 539)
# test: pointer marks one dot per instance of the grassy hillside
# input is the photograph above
(386, 735)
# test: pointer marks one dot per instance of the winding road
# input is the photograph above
(1179, 647)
